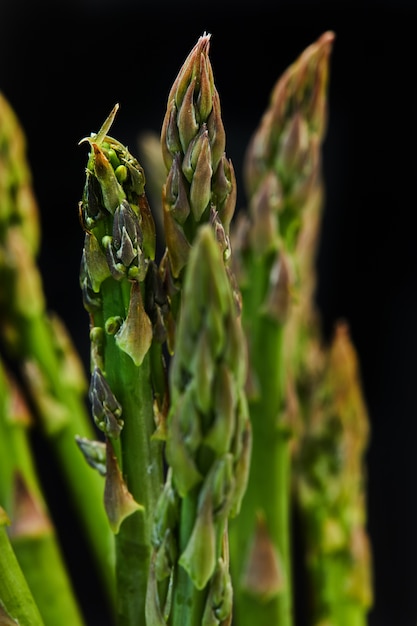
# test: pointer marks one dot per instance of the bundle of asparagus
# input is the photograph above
(211, 391)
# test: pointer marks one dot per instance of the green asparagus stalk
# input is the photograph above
(31, 531)
(208, 449)
(282, 176)
(124, 299)
(200, 186)
(39, 343)
(17, 605)
(330, 482)
(332, 432)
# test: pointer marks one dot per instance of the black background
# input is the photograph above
(64, 65)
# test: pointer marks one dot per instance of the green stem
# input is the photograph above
(15, 596)
(349, 615)
(267, 498)
(32, 534)
(140, 459)
(41, 561)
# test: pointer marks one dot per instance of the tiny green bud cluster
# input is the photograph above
(120, 232)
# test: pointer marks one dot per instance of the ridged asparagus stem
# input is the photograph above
(31, 531)
(200, 186)
(330, 483)
(118, 280)
(208, 449)
(17, 605)
(282, 174)
(40, 344)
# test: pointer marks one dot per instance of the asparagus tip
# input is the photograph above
(98, 138)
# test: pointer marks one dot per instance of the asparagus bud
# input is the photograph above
(105, 408)
(94, 453)
(200, 178)
(218, 608)
(288, 140)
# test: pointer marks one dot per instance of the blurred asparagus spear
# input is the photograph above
(208, 449)
(119, 280)
(39, 343)
(17, 605)
(149, 151)
(282, 176)
(332, 436)
(31, 531)
(332, 431)
(330, 482)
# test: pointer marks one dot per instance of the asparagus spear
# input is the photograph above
(118, 280)
(208, 449)
(282, 172)
(39, 344)
(332, 431)
(31, 532)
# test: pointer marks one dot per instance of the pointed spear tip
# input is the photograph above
(327, 37)
(205, 39)
(98, 138)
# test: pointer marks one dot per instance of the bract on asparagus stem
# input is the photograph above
(105, 407)
(94, 453)
(118, 501)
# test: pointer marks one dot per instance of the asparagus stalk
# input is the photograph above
(17, 605)
(123, 297)
(208, 448)
(282, 173)
(39, 344)
(332, 435)
(31, 531)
